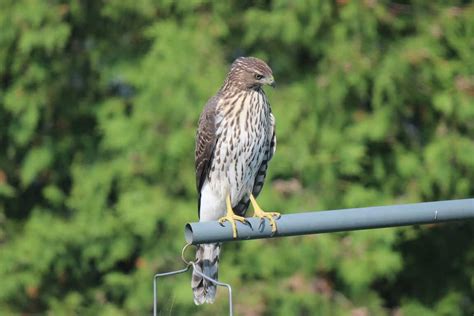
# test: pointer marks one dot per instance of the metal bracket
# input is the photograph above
(188, 265)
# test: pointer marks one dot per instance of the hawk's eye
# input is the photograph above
(258, 76)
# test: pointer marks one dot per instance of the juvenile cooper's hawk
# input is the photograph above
(234, 143)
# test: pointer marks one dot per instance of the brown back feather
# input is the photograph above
(206, 140)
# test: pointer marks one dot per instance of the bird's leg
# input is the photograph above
(231, 217)
(258, 212)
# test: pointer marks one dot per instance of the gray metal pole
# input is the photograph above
(333, 221)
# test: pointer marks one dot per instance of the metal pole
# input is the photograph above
(333, 221)
(155, 288)
(159, 275)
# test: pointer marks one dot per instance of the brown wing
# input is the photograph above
(243, 204)
(205, 144)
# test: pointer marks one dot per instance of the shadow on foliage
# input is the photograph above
(436, 263)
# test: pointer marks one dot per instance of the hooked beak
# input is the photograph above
(271, 82)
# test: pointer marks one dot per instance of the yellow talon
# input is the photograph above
(231, 217)
(258, 212)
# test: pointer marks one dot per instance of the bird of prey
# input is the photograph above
(235, 141)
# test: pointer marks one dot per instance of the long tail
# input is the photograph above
(207, 262)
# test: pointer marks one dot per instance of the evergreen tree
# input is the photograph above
(99, 102)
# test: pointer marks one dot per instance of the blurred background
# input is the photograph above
(99, 102)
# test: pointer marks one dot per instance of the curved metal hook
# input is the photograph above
(188, 265)
(229, 288)
(182, 254)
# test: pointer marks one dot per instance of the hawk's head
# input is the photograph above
(250, 73)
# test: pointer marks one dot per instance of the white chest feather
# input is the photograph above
(242, 144)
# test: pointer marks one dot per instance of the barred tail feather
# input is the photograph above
(207, 262)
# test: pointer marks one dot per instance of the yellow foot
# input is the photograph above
(231, 217)
(258, 212)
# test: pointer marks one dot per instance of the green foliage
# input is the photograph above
(99, 103)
